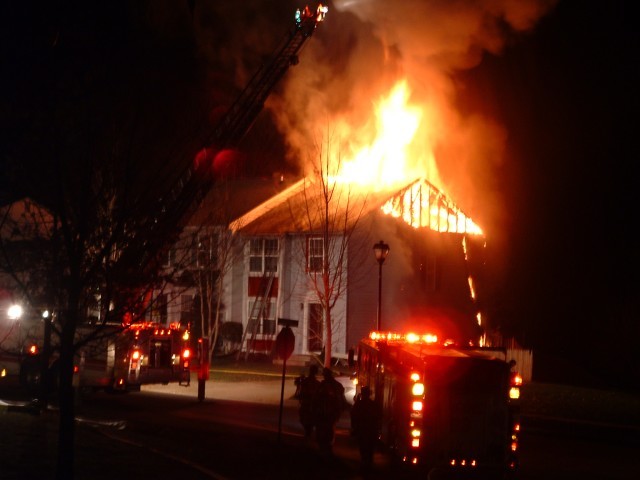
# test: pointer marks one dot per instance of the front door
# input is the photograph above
(314, 330)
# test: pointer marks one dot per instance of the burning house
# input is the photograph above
(387, 149)
(284, 258)
(303, 252)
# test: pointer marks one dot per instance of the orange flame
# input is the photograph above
(388, 162)
(384, 162)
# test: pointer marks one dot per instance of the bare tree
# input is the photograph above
(228, 248)
(69, 260)
(210, 248)
(331, 210)
(95, 149)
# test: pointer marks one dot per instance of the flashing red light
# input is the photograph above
(76, 369)
(135, 355)
(186, 353)
(33, 350)
(397, 337)
(516, 379)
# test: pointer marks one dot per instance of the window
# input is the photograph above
(160, 354)
(168, 257)
(315, 254)
(207, 249)
(160, 311)
(186, 309)
(314, 328)
(263, 255)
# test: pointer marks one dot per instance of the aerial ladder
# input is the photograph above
(171, 211)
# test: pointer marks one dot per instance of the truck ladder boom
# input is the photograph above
(173, 210)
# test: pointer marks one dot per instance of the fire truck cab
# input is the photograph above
(122, 359)
(445, 407)
(143, 353)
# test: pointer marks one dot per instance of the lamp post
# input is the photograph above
(14, 312)
(381, 250)
(46, 354)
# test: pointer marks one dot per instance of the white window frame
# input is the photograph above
(315, 254)
(267, 250)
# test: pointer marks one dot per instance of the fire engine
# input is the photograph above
(445, 407)
(121, 358)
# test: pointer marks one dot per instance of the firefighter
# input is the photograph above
(308, 388)
(330, 402)
(365, 426)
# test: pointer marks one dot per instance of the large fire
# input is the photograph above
(383, 163)
(387, 163)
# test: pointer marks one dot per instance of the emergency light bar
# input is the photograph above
(395, 337)
(153, 325)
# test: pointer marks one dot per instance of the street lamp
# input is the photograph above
(14, 312)
(381, 250)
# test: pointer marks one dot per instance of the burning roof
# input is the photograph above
(419, 204)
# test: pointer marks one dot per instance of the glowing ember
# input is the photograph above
(423, 205)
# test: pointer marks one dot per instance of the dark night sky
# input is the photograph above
(566, 93)
(569, 97)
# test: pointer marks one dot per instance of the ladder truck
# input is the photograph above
(173, 210)
(141, 352)
(448, 410)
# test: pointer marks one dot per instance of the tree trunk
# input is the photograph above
(66, 431)
(329, 337)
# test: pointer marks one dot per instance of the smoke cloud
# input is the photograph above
(352, 62)
(365, 46)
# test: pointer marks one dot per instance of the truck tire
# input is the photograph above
(30, 374)
(53, 377)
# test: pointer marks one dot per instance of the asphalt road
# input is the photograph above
(165, 430)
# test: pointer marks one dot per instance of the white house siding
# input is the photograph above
(290, 305)
(294, 295)
(301, 293)
(236, 291)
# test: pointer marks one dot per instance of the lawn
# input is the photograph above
(231, 370)
(581, 403)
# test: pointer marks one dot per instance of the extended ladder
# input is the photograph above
(169, 213)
